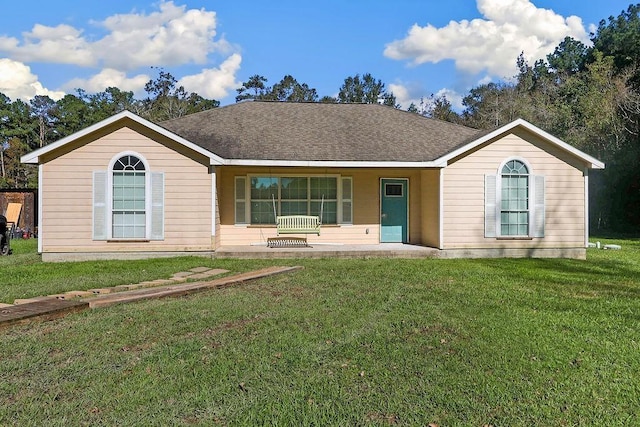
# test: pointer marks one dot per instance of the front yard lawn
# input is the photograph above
(510, 342)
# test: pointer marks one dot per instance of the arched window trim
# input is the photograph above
(147, 186)
(516, 211)
(120, 155)
(102, 218)
(493, 202)
(519, 159)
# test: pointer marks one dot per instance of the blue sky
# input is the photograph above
(416, 47)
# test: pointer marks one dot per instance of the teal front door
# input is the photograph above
(394, 210)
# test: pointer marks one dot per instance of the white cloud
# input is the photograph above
(109, 78)
(453, 97)
(170, 36)
(491, 44)
(62, 44)
(18, 82)
(214, 83)
(404, 95)
(414, 94)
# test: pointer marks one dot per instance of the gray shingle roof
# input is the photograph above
(319, 132)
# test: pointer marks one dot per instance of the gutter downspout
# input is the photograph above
(40, 180)
(586, 207)
(441, 210)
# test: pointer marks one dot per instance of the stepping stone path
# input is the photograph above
(197, 273)
(182, 283)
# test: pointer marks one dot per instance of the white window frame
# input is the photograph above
(147, 195)
(499, 197)
(536, 200)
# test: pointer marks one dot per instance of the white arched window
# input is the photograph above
(514, 201)
(128, 200)
(128, 196)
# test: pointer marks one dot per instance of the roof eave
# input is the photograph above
(332, 163)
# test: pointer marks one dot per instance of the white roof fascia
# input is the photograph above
(333, 163)
(591, 161)
(34, 156)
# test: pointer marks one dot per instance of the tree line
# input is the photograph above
(588, 96)
(26, 126)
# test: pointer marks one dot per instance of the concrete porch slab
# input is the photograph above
(383, 250)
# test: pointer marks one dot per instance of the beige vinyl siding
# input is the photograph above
(366, 206)
(564, 194)
(68, 192)
(430, 207)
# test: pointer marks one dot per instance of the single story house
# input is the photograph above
(375, 174)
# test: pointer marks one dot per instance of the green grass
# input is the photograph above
(23, 275)
(341, 342)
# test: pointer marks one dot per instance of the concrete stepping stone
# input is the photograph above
(208, 273)
(182, 274)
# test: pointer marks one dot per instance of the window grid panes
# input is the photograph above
(264, 193)
(128, 199)
(514, 204)
(241, 202)
(346, 201)
(293, 196)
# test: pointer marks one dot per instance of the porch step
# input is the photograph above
(287, 242)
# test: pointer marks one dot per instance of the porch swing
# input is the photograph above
(294, 224)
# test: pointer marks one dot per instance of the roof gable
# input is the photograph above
(592, 162)
(35, 156)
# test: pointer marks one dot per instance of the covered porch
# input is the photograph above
(361, 209)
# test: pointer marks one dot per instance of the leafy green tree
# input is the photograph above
(17, 122)
(166, 100)
(619, 38)
(443, 110)
(289, 90)
(436, 107)
(18, 135)
(254, 88)
(328, 100)
(111, 101)
(365, 90)
(13, 173)
(71, 115)
(42, 108)
(568, 57)
(490, 105)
